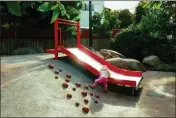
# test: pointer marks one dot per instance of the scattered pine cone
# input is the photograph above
(86, 87)
(95, 101)
(91, 94)
(60, 70)
(56, 72)
(69, 96)
(67, 80)
(77, 104)
(56, 77)
(74, 89)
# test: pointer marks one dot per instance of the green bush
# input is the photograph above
(130, 43)
(133, 43)
(148, 35)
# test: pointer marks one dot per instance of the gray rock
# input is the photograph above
(110, 53)
(28, 50)
(135, 65)
(152, 61)
(92, 49)
(119, 62)
(128, 64)
(98, 54)
(106, 54)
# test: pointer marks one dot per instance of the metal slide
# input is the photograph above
(83, 57)
(91, 61)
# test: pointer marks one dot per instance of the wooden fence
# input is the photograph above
(9, 45)
(29, 37)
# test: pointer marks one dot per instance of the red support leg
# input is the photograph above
(78, 34)
(60, 33)
(56, 38)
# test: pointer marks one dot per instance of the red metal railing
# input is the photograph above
(56, 38)
(67, 20)
(74, 24)
(56, 28)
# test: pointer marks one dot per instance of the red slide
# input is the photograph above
(93, 63)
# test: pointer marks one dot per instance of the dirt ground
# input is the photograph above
(29, 89)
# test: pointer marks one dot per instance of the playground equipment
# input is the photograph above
(91, 61)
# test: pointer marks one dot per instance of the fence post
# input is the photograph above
(90, 23)
(56, 38)
(78, 34)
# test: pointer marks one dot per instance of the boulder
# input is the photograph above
(128, 64)
(92, 49)
(135, 65)
(28, 50)
(106, 54)
(163, 67)
(111, 53)
(152, 61)
(115, 56)
(98, 54)
(119, 62)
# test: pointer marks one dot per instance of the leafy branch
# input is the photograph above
(56, 7)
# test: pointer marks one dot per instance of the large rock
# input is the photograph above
(114, 53)
(128, 64)
(135, 65)
(106, 54)
(152, 61)
(110, 53)
(164, 67)
(115, 56)
(29, 50)
(98, 54)
(119, 62)
(92, 49)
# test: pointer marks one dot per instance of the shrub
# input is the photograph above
(133, 43)
(130, 42)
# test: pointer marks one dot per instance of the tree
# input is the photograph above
(148, 35)
(96, 23)
(125, 17)
(111, 18)
(41, 14)
(154, 23)
(73, 9)
(139, 12)
(170, 7)
(104, 23)
(16, 7)
(163, 18)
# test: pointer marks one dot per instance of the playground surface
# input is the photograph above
(29, 89)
